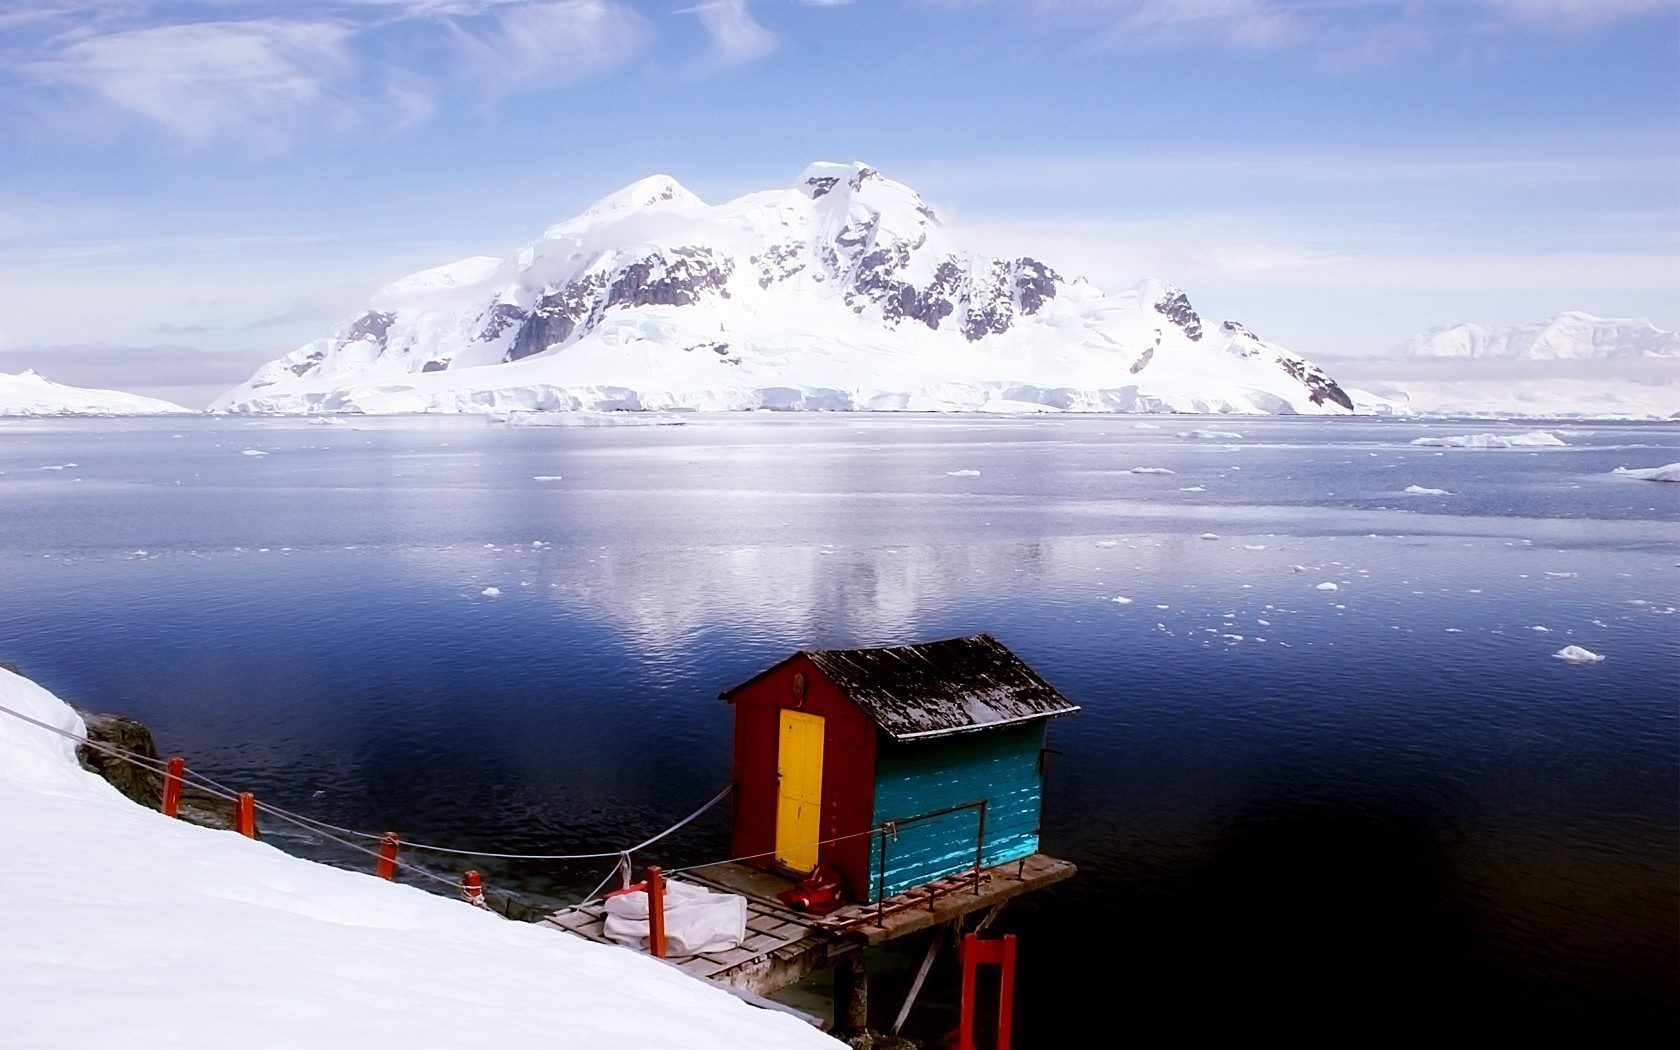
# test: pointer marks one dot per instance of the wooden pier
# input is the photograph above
(783, 946)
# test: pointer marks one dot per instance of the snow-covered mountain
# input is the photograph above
(28, 393)
(840, 292)
(1570, 336)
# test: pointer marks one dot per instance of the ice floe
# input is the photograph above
(1532, 439)
(966, 472)
(1671, 472)
(491, 592)
(1419, 490)
(253, 452)
(1149, 470)
(1327, 586)
(1574, 654)
(1120, 599)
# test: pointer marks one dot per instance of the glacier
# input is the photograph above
(841, 292)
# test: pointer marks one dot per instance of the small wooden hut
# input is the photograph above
(941, 744)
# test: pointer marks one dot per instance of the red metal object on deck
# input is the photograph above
(656, 911)
(1002, 953)
(387, 866)
(172, 785)
(472, 889)
(245, 814)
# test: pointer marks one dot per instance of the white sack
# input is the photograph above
(696, 920)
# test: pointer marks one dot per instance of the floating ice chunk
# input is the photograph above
(1327, 586)
(1163, 607)
(1264, 623)
(1562, 575)
(1574, 654)
(1419, 490)
(1145, 426)
(546, 477)
(1193, 488)
(253, 452)
(491, 592)
(1108, 543)
(1149, 470)
(1254, 546)
(1211, 435)
(1210, 536)
(1533, 439)
(963, 473)
(1120, 599)
(1671, 472)
(1232, 637)
(1541, 629)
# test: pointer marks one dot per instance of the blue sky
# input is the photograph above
(238, 176)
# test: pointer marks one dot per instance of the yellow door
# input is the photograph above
(799, 762)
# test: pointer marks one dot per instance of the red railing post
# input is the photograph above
(472, 889)
(975, 952)
(656, 911)
(245, 814)
(172, 785)
(387, 866)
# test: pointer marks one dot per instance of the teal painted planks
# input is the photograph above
(999, 766)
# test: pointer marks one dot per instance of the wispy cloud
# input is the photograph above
(1347, 34)
(302, 65)
(211, 78)
(514, 46)
(736, 37)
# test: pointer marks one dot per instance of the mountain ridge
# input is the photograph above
(841, 291)
(1571, 335)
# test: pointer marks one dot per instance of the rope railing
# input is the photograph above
(342, 836)
(337, 834)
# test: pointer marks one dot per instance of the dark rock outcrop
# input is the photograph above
(139, 783)
(1177, 309)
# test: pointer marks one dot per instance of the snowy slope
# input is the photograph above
(30, 394)
(1568, 336)
(122, 927)
(841, 292)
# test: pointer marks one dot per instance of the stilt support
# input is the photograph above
(921, 975)
(1002, 953)
(851, 995)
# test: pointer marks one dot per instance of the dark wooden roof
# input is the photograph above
(913, 692)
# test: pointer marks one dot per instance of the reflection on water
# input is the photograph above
(1320, 812)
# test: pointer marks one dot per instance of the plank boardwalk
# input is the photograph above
(783, 945)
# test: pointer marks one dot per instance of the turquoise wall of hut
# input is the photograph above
(1001, 766)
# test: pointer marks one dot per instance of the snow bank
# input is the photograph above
(1671, 472)
(122, 925)
(1533, 439)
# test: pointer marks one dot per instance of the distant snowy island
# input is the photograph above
(1574, 365)
(29, 393)
(1570, 336)
(839, 292)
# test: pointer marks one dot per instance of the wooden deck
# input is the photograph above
(783, 945)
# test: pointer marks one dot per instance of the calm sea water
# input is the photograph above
(1328, 815)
